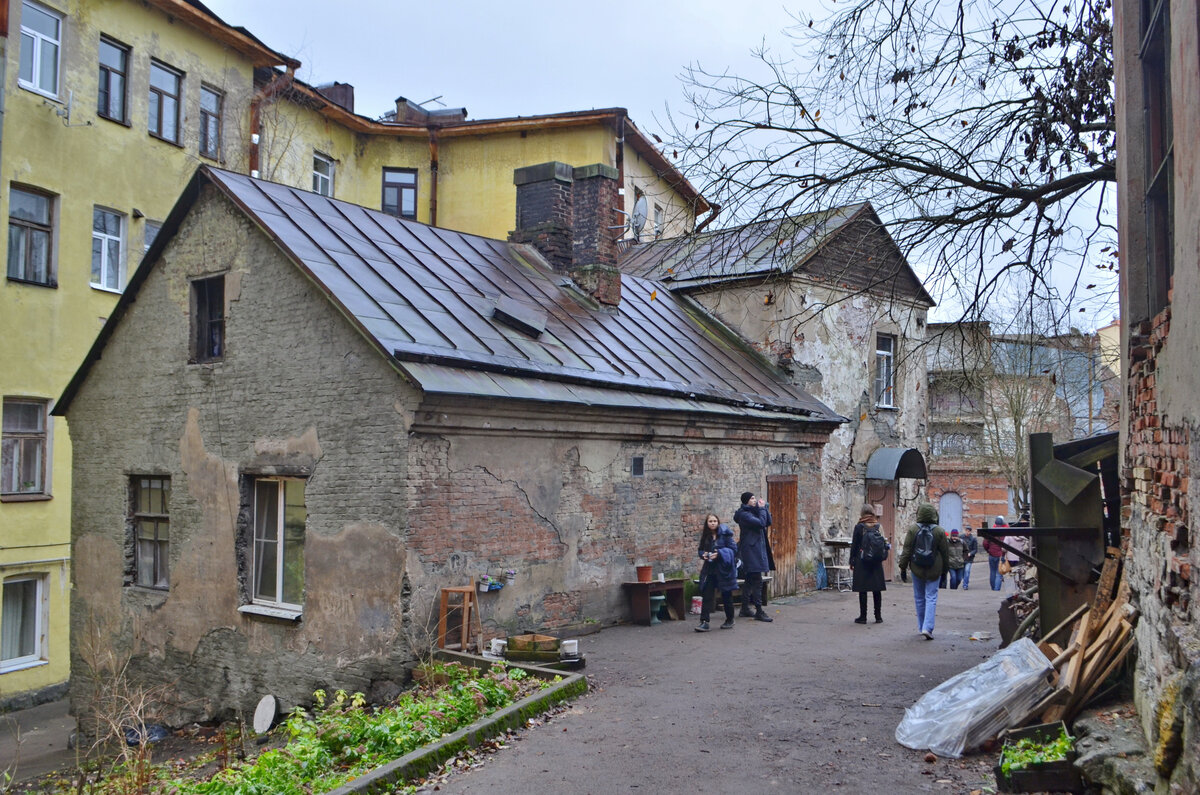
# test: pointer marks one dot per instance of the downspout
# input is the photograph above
(712, 216)
(433, 175)
(278, 84)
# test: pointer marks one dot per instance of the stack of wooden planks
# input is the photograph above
(1101, 635)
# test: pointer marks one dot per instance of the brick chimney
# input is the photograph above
(341, 94)
(566, 213)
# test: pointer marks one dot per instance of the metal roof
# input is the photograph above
(789, 245)
(428, 298)
(889, 463)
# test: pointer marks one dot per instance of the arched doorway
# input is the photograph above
(950, 511)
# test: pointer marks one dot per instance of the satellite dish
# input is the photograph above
(638, 220)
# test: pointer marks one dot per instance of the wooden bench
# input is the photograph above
(737, 592)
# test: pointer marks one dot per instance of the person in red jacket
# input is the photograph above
(995, 555)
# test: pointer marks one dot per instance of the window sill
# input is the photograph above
(121, 122)
(103, 289)
(33, 282)
(21, 666)
(25, 497)
(284, 613)
(168, 141)
(34, 89)
(886, 408)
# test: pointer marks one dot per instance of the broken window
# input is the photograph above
(400, 192)
(885, 370)
(277, 556)
(208, 319)
(150, 500)
(23, 447)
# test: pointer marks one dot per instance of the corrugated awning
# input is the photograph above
(889, 463)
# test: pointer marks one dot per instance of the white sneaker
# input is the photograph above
(928, 635)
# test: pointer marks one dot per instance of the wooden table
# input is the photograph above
(639, 597)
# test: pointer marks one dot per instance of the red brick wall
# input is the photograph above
(984, 494)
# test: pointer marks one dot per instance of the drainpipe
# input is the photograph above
(623, 221)
(433, 175)
(278, 84)
(712, 216)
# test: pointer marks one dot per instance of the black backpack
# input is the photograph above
(923, 554)
(874, 546)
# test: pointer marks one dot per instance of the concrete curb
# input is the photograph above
(425, 760)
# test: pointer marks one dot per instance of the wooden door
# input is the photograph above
(783, 495)
(882, 494)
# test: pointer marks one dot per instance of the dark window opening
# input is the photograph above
(114, 75)
(638, 468)
(1155, 56)
(208, 327)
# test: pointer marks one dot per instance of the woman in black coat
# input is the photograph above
(867, 576)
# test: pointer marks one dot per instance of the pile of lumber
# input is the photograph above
(1101, 636)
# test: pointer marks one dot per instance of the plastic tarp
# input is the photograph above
(970, 707)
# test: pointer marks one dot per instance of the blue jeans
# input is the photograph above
(956, 576)
(925, 595)
(966, 577)
(994, 574)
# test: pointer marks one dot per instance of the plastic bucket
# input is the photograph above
(697, 605)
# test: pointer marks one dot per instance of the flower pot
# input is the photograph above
(645, 573)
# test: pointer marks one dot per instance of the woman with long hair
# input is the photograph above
(718, 551)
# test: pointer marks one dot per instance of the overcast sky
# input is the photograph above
(515, 58)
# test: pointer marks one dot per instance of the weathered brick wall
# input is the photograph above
(1158, 475)
(298, 391)
(984, 494)
(569, 516)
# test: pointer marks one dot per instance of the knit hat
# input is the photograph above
(1000, 522)
(746, 495)
(954, 532)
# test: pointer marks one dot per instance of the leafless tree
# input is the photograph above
(982, 131)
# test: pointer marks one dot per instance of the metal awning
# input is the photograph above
(889, 463)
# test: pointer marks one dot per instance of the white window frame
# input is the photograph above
(42, 435)
(323, 181)
(659, 221)
(108, 270)
(38, 657)
(282, 555)
(885, 371)
(36, 41)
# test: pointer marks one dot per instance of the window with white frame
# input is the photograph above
(149, 502)
(658, 221)
(322, 174)
(885, 370)
(22, 624)
(41, 42)
(212, 103)
(23, 447)
(166, 87)
(107, 228)
(277, 556)
(30, 233)
(114, 76)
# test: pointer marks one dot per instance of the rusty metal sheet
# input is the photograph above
(428, 295)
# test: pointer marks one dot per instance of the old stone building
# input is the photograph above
(1157, 75)
(305, 417)
(832, 301)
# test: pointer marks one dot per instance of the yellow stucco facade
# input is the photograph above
(78, 153)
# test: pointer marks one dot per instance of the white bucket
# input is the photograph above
(569, 648)
(498, 646)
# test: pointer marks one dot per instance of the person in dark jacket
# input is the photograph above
(957, 560)
(925, 578)
(867, 576)
(753, 519)
(995, 555)
(970, 547)
(711, 534)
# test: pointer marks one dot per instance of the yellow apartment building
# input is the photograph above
(108, 106)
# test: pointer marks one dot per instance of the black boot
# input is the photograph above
(746, 612)
(860, 620)
(761, 616)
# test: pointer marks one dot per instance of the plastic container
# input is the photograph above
(1058, 776)
(697, 605)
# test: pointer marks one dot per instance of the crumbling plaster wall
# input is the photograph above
(552, 495)
(826, 339)
(298, 392)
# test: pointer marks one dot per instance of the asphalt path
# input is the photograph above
(806, 704)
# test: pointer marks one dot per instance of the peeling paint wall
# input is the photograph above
(278, 402)
(828, 338)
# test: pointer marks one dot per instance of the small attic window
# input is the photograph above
(637, 467)
(521, 317)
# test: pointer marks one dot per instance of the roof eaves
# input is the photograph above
(199, 16)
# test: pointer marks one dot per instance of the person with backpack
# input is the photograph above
(957, 560)
(868, 551)
(925, 552)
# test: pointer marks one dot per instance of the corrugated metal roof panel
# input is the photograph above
(428, 296)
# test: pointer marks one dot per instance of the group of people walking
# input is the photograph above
(934, 558)
(721, 556)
